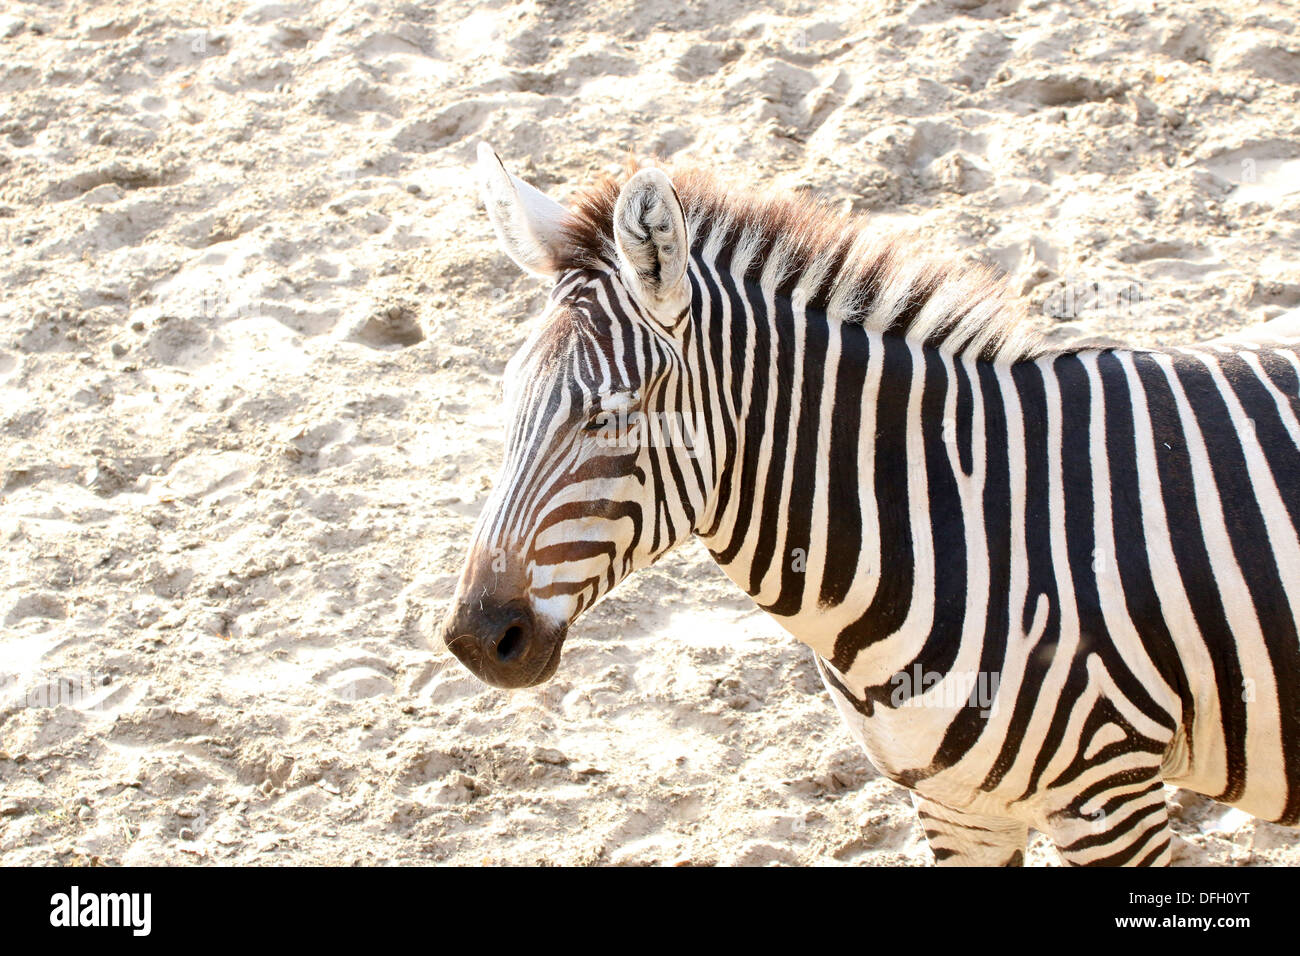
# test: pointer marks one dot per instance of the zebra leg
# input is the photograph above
(959, 838)
(1129, 828)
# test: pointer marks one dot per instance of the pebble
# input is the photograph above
(548, 755)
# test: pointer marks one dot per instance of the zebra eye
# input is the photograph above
(600, 421)
(620, 402)
(613, 412)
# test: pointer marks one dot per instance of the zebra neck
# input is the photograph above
(840, 510)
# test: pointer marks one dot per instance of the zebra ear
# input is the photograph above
(653, 244)
(527, 221)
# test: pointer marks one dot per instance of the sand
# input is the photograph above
(252, 333)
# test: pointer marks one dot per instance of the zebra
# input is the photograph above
(1039, 583)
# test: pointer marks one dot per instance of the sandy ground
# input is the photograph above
(252, 330)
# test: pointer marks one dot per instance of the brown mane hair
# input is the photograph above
(830, 261)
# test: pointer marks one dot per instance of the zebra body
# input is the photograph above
(1069, 539)
(1038, 585)
(1051, 538)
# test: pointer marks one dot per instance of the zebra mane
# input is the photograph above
(824, 260)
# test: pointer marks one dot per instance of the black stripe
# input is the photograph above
(889, 605)
(1028, 380)
(844, 485)
(970, 722)
(799, 513)
(778, 426)
(755, 424)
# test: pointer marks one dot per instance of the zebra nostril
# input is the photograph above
(511, 644)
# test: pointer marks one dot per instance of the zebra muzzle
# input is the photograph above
(502, 644)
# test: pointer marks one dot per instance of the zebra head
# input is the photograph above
(602, 473)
